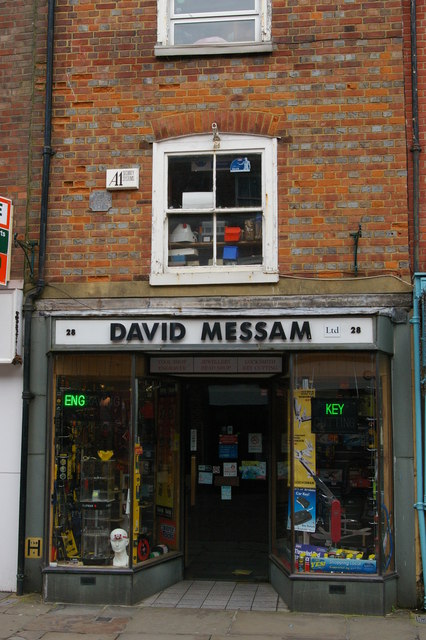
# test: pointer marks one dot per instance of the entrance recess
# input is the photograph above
(226, 469)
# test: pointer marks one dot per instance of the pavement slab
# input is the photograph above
(285, 625)
(11, 624)
(53, 635)
(180, 621)
(28, 618)
(88, 625)
(165, 636)
(398, 625)
(27, 635)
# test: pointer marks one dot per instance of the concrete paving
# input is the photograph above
(210, 594)
(218, 612)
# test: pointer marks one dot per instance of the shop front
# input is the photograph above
(251, 448)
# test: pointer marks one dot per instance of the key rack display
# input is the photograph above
(96, 499)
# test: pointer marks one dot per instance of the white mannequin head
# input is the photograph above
(119, 541)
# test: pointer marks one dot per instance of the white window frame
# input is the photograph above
(161, 272)
(166, 47)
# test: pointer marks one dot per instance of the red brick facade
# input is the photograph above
(332, 90)
(421, 83)
(16, 82)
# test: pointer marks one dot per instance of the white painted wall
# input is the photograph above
(10, 463)
(10, 434)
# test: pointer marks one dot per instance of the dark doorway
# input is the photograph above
(226, 467)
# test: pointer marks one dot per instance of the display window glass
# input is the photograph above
(115, 464)
(156, 506)
(333, 506)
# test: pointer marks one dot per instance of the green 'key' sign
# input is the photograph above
(334, 415)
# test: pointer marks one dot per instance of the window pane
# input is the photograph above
(385, 453)
(91, 480)
(215, 31)
(190, 182)
(190, 240)
(239, 181)
(157, 471)
(206, 6)
(238, 239)
(281, 535)
(242, 235)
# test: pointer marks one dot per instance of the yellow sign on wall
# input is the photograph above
(33, 547)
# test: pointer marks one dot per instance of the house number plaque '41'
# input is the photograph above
(122, 178)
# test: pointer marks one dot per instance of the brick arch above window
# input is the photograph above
(228, 121)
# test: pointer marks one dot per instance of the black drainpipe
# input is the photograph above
(32, 296)
(416, 149)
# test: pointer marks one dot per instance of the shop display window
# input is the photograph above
(115, 464)
(333, 508)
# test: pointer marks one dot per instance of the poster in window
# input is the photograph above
(166, 440)
(255, 443)
(228, 447)
(253, 470)
(304, 460)
(304, 510)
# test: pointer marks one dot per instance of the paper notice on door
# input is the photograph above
(229, 469)
(253, 470)
(205, 477)
(255, 443)
(226, 493)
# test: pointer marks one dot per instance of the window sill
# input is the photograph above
(216, 49)
(225, 276)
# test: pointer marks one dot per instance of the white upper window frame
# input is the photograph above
(165, 20)
(161, 273)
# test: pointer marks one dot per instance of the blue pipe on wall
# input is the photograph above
(419, 289)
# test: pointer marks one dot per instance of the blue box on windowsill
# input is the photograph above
(230, 253)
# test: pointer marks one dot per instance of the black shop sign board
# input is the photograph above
(334, 415)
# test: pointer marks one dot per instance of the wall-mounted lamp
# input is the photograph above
(216, 136)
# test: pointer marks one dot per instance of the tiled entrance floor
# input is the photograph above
(205, 594)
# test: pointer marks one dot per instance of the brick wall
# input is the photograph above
(16, 81)
(421, 83)
(333, 90)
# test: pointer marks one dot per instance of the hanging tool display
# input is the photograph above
(67, 526)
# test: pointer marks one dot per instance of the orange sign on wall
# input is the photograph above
(5, 238)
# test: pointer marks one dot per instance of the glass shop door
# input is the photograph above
(227, 480)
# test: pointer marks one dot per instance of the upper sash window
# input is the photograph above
(223, 25)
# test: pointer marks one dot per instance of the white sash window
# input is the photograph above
(214, 210)
(222, 25)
